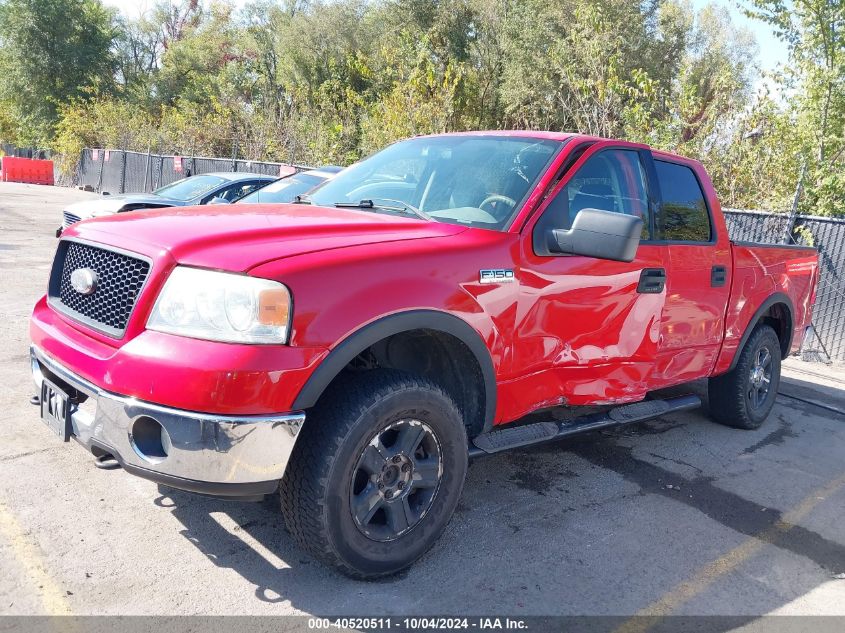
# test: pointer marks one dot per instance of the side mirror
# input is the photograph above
(600, 234)
(218, 200)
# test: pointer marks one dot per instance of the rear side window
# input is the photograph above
(683, 216)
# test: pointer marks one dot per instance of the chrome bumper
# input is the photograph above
(207, 453)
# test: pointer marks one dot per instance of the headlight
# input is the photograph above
(222, 307)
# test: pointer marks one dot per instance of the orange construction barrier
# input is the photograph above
(29, 170)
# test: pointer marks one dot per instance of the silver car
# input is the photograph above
(222, 187)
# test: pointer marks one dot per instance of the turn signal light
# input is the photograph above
(274, 307)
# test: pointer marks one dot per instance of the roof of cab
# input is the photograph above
(539, 134)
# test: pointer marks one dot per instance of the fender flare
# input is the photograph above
(778, 297)
(361, 339)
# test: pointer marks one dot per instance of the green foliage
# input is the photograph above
(420, 95)
(803, 235)
(328, 81)
(758, 163)
(813, 30)
(51, 52)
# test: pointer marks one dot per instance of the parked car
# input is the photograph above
(351, 355)
(190, 191)
(287, 189)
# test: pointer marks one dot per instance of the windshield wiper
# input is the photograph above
(393, 205)
(302, 198)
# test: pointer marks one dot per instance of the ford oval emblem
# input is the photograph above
(84, 280)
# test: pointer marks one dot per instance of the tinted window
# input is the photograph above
(237, 191)
(190, 187)
(612, 180)
(284, 190)
(683, 216)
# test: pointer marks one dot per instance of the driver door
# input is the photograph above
(588, 328)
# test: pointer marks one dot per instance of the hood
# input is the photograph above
(240, 237)
(107, 205)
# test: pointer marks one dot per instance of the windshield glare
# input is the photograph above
(472, 180)
(189, 188)
(284, 190)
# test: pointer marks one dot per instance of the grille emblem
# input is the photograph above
(84, 280)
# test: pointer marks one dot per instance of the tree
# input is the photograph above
(814, 30)
(318, 81)
(202, 62)
(52, 51)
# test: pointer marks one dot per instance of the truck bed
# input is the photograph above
(763, 271)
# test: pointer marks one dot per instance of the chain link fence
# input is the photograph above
(116, 171)
(826, 340)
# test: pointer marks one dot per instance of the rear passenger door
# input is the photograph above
(697, 274)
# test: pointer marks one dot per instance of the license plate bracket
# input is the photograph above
(56, 409)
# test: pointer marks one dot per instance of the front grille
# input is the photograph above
(120, 278)
(70, 218)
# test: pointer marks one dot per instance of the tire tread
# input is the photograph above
(303, 489)
(726, 393)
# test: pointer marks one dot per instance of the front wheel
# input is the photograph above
(744, 397)
(376, 474)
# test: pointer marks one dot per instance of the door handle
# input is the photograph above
(718, 276)
(652, 281)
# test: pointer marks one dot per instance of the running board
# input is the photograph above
(537, 432)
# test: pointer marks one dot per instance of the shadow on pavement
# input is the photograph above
(591, 525)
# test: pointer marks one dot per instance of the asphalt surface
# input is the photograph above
(675, 516)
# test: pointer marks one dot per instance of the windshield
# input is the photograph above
(472, 180)
(284, 190)
(189, 188)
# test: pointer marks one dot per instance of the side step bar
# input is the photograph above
(538, 432)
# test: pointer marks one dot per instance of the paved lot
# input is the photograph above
(678, 515)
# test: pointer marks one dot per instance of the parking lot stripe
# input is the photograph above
(28, 555)
(648, 617)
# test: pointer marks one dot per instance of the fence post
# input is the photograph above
(787, 231)
(123, 168)
(80, 170)
(235, 154)
(147, 166)
(100, 175)
(160, 170)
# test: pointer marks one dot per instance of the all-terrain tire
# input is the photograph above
(736, 398)
(317, 491)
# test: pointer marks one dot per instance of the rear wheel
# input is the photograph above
(744, 397)
(376, 474)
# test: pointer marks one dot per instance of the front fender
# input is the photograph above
(349, 298)
(392, 324)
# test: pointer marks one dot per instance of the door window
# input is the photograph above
(612, 180)
(683, 215)
(237, 191)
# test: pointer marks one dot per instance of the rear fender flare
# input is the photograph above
(778, 297)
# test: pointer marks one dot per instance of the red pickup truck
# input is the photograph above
(351, 352)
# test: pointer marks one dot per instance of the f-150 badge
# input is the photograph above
(496, 276)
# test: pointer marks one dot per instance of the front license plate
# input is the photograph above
(55, 409)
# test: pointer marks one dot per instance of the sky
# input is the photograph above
(771, 50)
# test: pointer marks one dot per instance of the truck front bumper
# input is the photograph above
(232, 456)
